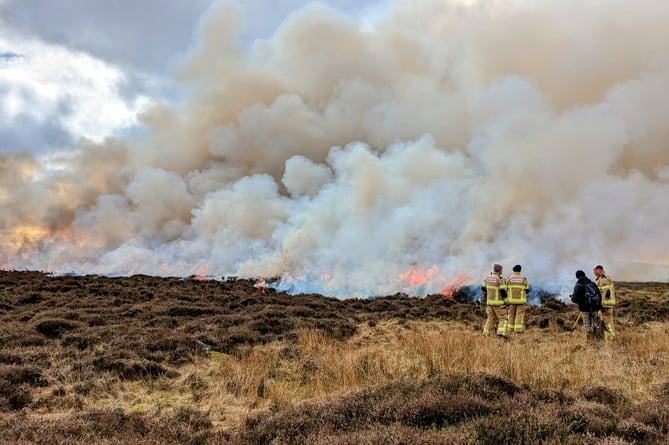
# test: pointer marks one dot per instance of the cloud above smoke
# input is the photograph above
(50, 97)
(364, 159)
(143, 35)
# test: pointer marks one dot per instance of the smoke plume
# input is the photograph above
(395, 156)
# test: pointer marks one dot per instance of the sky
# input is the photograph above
(344, 147)
(60, 59)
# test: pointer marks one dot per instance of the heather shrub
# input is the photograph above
(548, 395)
(32, 298)
(336, 328)
(19, 334)
(132, 369)
(587, 417)
(28, 340)
(612, 398)
(639, 433)
(55, 328)
(176, 349)
(390, 435)
(518, 429)
(20, 374)
(654, 413)
(13, 397)
(443, 410)
(663, 391)
(15, 382)
(235, 337)
(486, 386)
(108, 423)
(189, 311)
(10, 358)
(182, 426)
(81, 341)
(431, 404)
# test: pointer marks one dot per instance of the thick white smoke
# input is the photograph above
(365, 160)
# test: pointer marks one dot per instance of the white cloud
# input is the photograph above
(144, 36)
(50, 86)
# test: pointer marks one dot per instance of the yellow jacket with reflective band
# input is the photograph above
(605, 284)
(493, 284)
(516, 288)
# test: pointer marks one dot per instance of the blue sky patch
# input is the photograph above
(8, 56)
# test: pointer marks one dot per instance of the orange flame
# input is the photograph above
(453, 285)
(261, 284)
(200, 273)
(416, 277)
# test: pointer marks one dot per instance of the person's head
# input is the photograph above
(497, 268)
(598, 270)
(517, 268)
(580, 274)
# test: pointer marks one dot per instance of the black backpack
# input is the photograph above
(593, 298)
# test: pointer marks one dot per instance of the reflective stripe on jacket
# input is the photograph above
(516, 288)
(605, 285)
(495, 287)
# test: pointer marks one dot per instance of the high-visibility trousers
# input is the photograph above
(496, 321)
(607, 316)
(516, 317)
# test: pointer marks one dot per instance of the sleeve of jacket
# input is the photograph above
(577, 295)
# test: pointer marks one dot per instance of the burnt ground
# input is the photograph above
(144, 327)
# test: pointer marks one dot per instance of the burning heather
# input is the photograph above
(403, 155)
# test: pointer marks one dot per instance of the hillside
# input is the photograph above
(89, 359)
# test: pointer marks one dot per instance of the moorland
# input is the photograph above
(150, 360)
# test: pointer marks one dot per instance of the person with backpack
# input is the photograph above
(517, 288)
(589, 300)
(606, 288)
(493, 292)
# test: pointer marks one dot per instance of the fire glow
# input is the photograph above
(416, 278)
(456, 283)
(200, 273)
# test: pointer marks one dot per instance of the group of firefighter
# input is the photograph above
(506, 300)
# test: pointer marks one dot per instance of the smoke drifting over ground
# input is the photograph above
(402, 155)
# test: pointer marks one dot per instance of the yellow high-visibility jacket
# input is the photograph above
(495, 289)
(605, 285)
(516, 288)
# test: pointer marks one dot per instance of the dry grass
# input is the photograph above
(324, 369)
(318, 368)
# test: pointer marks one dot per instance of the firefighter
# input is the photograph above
(517, 288)
(605, 285)
(493, 292)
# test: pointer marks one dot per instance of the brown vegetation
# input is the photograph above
(165, 360)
